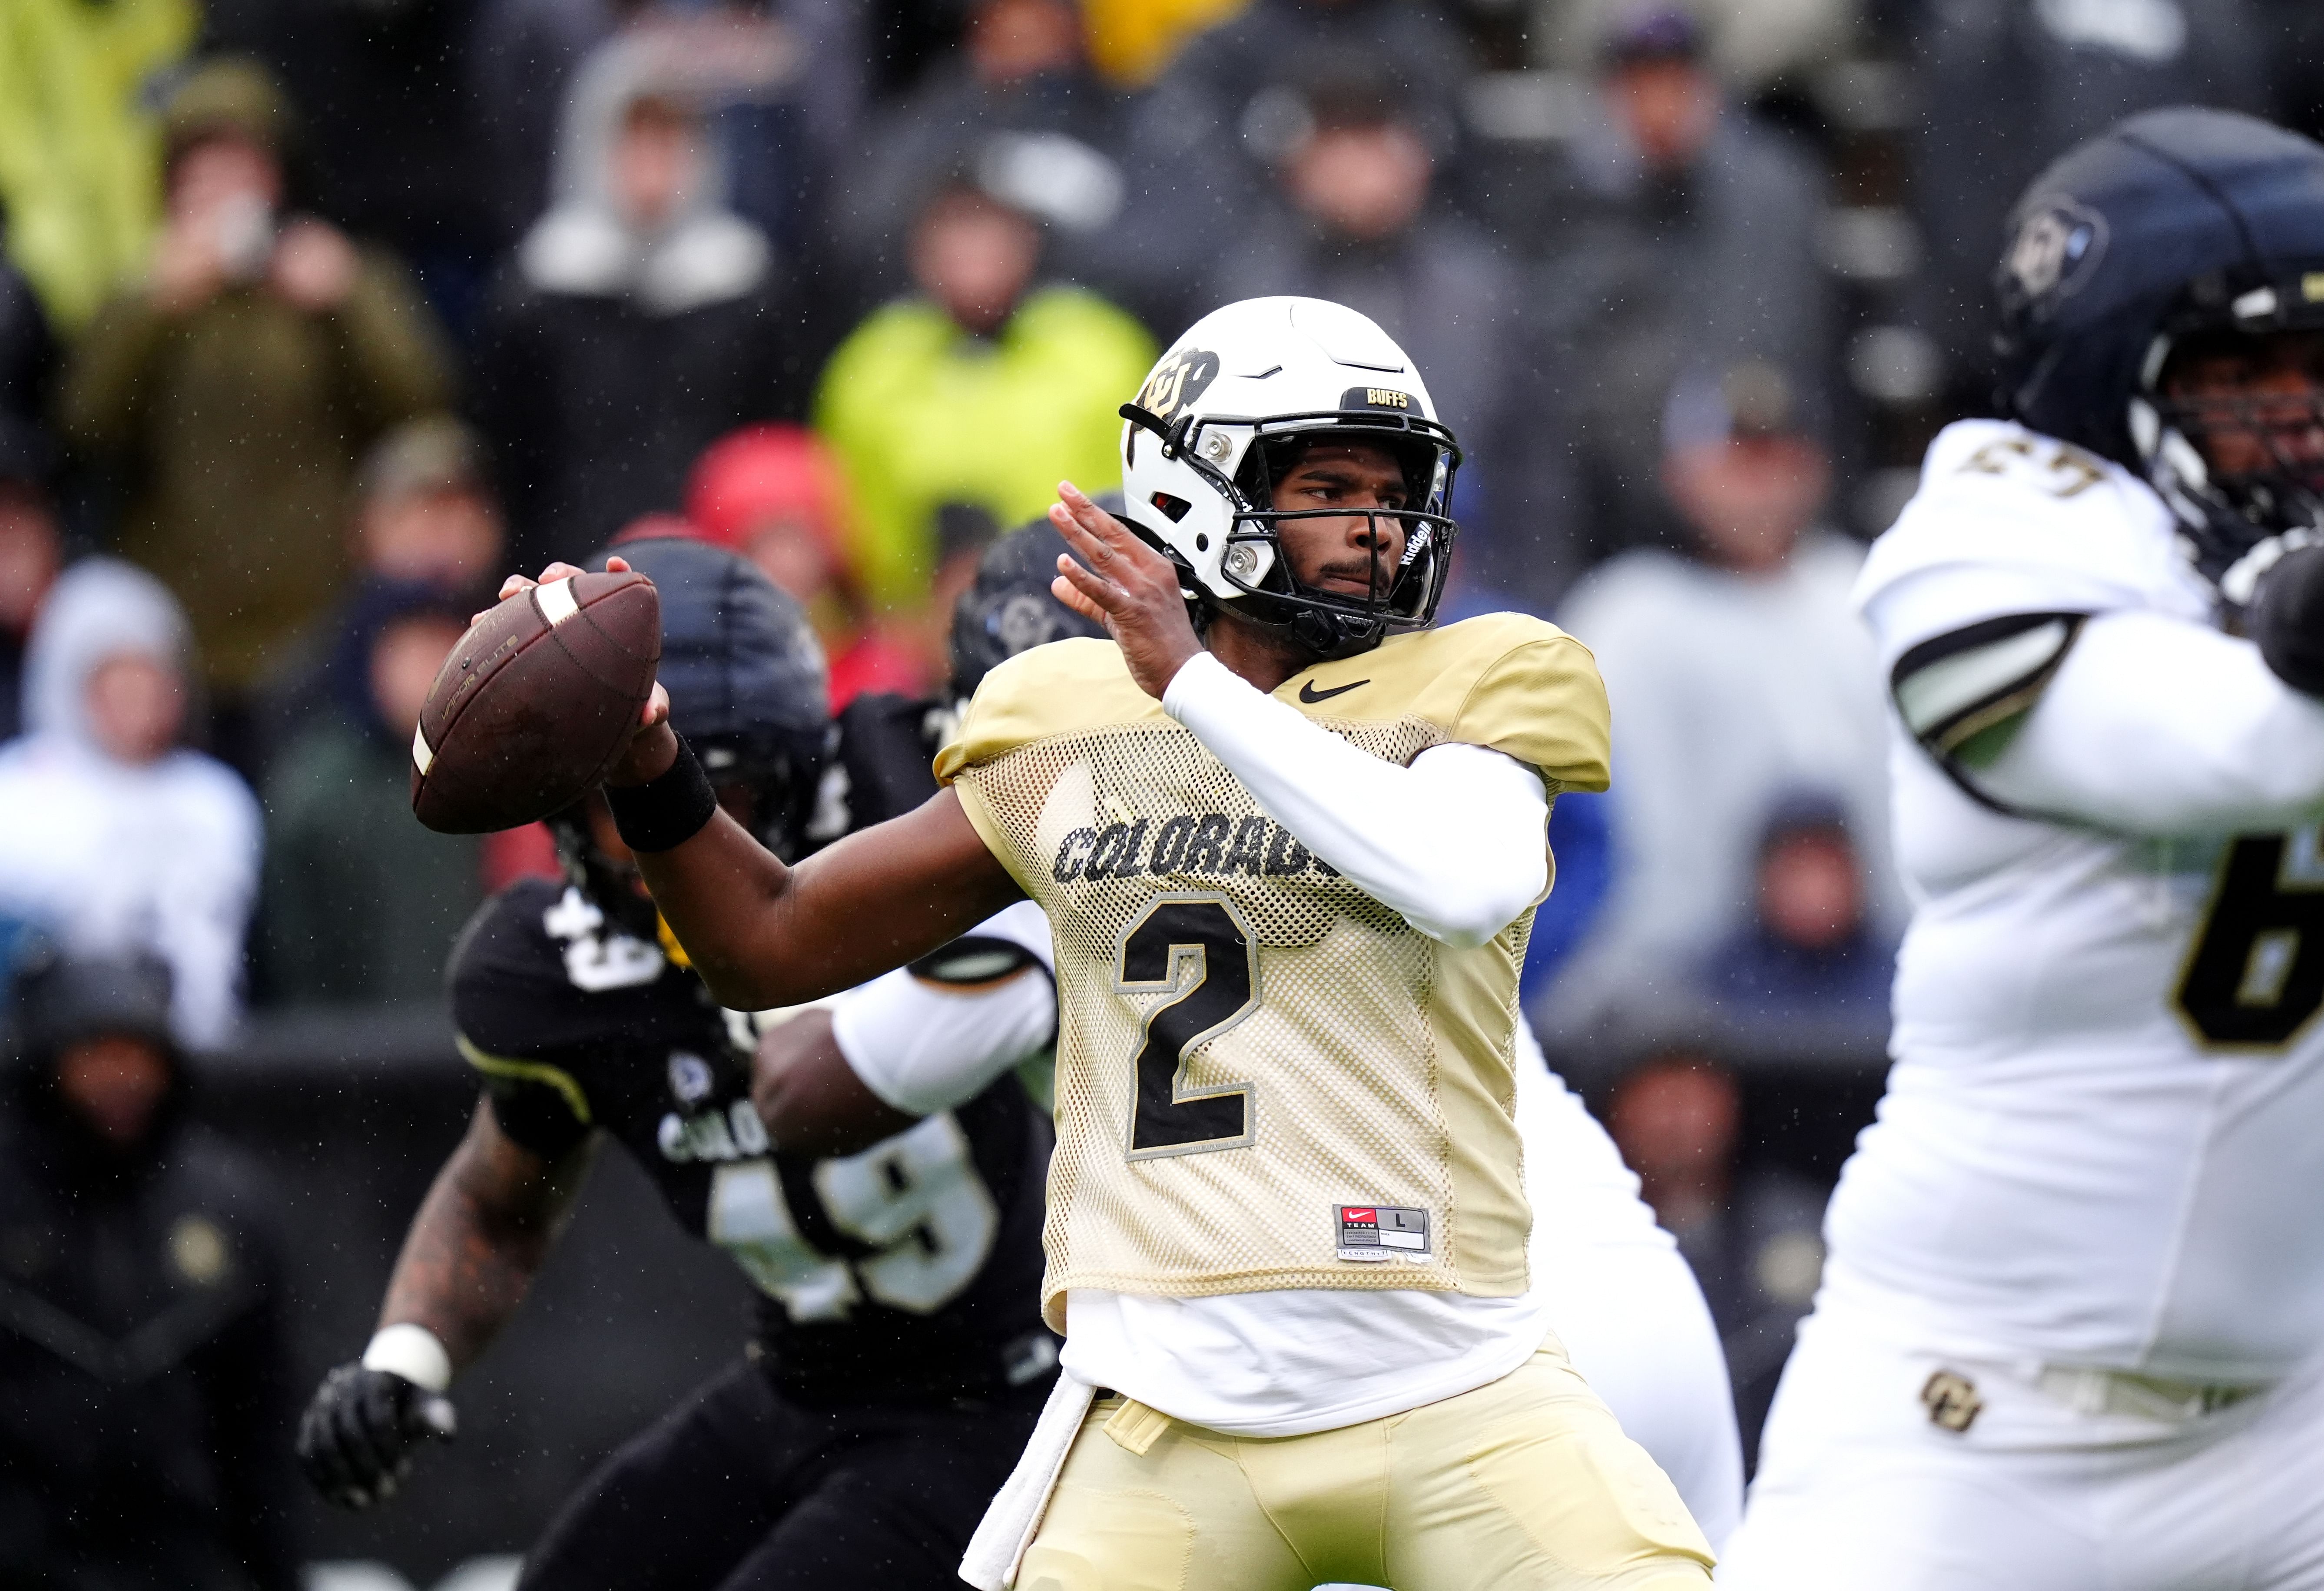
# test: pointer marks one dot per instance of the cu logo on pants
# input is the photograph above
(1952, 1400)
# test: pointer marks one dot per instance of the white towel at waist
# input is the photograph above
(996, 1549)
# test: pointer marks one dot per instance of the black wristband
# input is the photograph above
(2287, 620)
(668, 809)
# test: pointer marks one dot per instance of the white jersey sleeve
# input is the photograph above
(936, 1033)
(2047, 646)
(1622, 1299)
(2156, 726)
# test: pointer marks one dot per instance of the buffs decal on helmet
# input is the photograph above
(1230, 408)
(2057, 247)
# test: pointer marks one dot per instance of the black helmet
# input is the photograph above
(747, 689)
(1009, 609)
(2173, 224)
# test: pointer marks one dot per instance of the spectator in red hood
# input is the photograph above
(775, 494)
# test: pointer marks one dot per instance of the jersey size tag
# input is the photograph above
(1381, 1232)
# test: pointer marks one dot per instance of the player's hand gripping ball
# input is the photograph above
(537, 702)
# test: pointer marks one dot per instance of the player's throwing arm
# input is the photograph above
(763, 934)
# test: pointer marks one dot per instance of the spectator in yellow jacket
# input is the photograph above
(80, 145)
(982, 389)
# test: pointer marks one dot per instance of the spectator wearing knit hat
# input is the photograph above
(1022, 106)
(1676, 231)
(1206, 140)
(237, 385)
(1739, 673)
(146, 1441)
(426, 513)
(424, 522)
(1810, 952)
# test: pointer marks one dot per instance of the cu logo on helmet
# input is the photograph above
(1178, 381)
(2055, 249)
(1025, 622)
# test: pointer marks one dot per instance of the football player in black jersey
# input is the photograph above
(899, 1360)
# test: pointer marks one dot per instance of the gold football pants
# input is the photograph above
(1524, 1485)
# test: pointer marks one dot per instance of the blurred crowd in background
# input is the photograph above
(316, 316)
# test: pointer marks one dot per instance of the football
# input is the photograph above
(533, 704)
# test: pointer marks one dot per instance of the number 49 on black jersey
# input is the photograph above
(911, 1269)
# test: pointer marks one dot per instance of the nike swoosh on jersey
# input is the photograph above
(1311, 695)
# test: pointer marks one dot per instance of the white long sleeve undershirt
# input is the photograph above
(2156, 726)
(1455, 842)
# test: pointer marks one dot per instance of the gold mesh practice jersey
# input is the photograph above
(1266, 1079)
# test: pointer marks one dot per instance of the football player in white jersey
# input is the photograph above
(2069, 1337)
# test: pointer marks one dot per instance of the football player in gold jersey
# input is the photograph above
(1289, 838)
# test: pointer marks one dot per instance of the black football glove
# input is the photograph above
(356, 1438)
(2287, 620)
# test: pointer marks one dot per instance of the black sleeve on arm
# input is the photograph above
(517, 1021)
(2287, 620)
(538, 1104)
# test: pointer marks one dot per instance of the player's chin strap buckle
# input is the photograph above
(1173, 435)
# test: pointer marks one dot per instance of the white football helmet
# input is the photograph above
(1219, 419)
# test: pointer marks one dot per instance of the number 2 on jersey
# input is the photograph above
(1200, 947)
(2256, 973)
